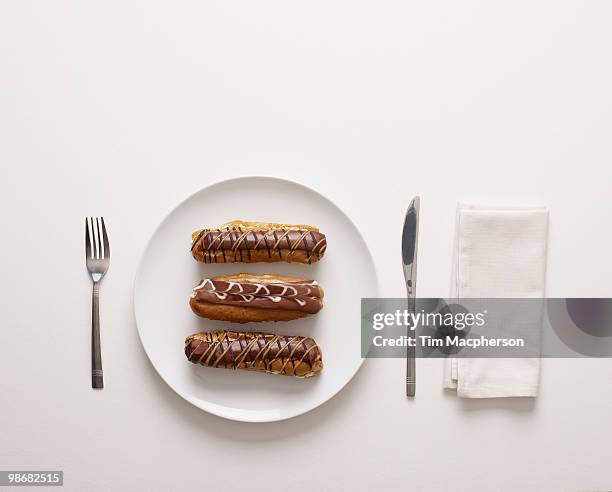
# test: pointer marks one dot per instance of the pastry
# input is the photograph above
(252, 351)
(251, 242)
(244, 298)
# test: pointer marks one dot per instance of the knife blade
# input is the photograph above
(410, 240)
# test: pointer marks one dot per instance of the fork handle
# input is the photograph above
(97, 379)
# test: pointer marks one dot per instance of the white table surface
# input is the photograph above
(124, 108)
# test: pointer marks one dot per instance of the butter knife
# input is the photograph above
(410, 238)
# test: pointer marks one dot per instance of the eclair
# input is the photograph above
(253, 351)
(250, 242)
(245, 298)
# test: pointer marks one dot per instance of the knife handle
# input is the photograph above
(410, 355)
(410, 372)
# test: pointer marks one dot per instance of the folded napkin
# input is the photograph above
(498, 252)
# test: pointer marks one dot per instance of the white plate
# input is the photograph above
(167, 273)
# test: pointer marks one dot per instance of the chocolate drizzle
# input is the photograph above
(261, 292)
(234, 242)
(277, 354)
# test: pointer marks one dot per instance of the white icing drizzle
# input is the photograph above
(231, 284)
(260, 287)
(203, 283)
(287, 287)
(261, 291)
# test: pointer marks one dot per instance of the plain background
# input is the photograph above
(123, 109)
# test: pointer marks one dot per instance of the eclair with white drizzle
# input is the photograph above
(245, 298)
(250, 242)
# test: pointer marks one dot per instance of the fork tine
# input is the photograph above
(94, 226)
(105, 238)
(87, 239)
(99, 235)
(100, 244)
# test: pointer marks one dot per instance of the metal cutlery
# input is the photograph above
(410, 237)
(97, 259)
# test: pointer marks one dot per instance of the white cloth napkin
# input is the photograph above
(498, 252)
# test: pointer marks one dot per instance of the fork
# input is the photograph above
(97, 259)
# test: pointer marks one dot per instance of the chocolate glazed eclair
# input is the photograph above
(245, 298)
(251, 242)
(252, 351)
